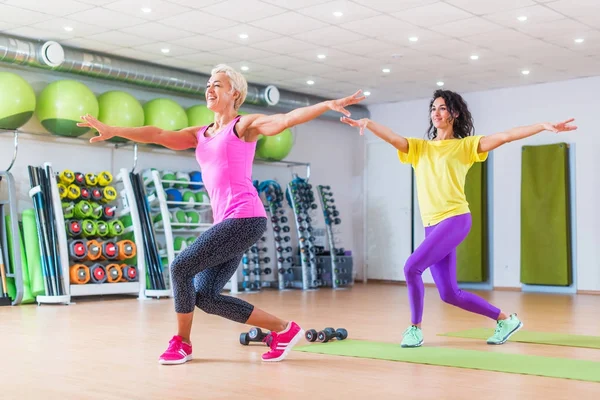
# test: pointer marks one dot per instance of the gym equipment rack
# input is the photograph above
(12, 269)
(301, 198)
(274, 197)
(339, 265)
(162, 209)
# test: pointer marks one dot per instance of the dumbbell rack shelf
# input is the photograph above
(139, 287)
(129, 208)
(307, 261)
(180, 227)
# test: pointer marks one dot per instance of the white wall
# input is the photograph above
(335, 156)
(502, 109)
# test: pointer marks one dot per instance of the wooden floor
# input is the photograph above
(107, 348)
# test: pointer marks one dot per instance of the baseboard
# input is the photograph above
(592, 292)
(432, 285)
(507, 289)
(496, 288)
(387, 282)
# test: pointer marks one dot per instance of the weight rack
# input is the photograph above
(331, 216)
(279, 224)
(301, 198)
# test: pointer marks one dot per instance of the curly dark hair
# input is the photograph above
(455, 104)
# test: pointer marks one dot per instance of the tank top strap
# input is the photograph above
(200, 133)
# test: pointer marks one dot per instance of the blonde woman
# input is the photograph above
(225, 152)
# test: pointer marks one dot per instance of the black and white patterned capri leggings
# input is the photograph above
(200, 272)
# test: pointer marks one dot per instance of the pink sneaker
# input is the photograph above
(178, 352)
(282, 342)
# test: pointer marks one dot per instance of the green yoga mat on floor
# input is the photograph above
(545, 224)
(581, 370)
(523, 336)
(471, 254)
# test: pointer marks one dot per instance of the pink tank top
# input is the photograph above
(226, 166)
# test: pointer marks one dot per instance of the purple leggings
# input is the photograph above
(438, 251)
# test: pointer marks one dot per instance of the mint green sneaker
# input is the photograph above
(413, 337)
(505, 329)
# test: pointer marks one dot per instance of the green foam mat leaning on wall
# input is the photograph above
(545, 221)
(472, 253)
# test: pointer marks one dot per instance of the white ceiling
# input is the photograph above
(285, 37)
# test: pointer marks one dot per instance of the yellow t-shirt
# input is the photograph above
(441, 168)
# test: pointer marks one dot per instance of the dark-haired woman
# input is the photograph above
(441, 164)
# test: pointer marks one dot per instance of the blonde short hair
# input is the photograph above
(237, 81)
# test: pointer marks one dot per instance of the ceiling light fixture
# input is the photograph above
(525, 72)
(310, 82)
(367, 93)
(245, 68)
(440, 83)
(338, 14)
(321, 56)
(68, 28)
(386, 70)
(146, 10)
(522, 18)
(579, 40)
(413, 38)
(165, 51)
(243, 36)
(474, 57)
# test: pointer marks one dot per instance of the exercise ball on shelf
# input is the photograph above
(119, 108)
(17, 101)
(166, 114)
(275, 148)
(61, 104)
(200, 115)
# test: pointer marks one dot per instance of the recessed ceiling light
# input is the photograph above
(367, 93)
(474, 57)
(146, 10)
(68, 28)
(243, 36)
(525, 72)
(522, 18)
(440, 83)
(309, 82)
(338, 14)
(579, 40)
(413, 38)
(386, 70)
(245, 68)
(165, 51)
(321, 56)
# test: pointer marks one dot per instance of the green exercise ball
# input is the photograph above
(119, 108)
(62, 103)
(165, 114)
(275, 148)
(17, 101)
(200, 115)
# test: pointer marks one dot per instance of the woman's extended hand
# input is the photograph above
(560, 126)
(104, 132)
(361, 123)
(340, 104)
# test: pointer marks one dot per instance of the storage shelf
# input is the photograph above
(95, 289)
(169, 228)
(185, 183)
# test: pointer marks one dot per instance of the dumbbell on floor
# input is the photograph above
(253, 335)
(326, 334)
